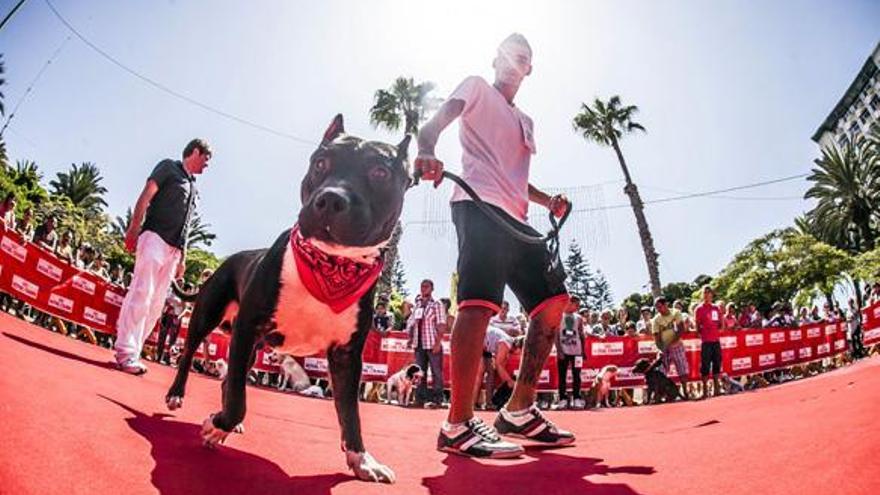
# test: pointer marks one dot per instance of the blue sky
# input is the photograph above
(729, 91)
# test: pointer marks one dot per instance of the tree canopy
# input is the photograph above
(779, 265)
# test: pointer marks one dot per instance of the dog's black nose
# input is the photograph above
(331, 202)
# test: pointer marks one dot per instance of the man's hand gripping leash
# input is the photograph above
(428, 167)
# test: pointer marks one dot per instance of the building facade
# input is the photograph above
(857, 110)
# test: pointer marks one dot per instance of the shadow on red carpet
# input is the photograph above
(58, 352)
(557, 472)
(184, 467)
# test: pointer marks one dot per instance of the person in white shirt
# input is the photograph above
(505, 322)
(7, 211)
(497, 142)
(604, 328)
(685, 316)
(643, 326)
(497, 349)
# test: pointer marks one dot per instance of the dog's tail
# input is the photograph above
(182, 294)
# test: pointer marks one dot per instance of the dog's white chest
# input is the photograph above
(308, 325)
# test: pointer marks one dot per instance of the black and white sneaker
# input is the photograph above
(475, 439)
(531, 424)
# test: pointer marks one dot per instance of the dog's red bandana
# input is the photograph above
(336, 281)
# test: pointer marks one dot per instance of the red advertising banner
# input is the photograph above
(743, 351)
(38, 277)
(871, 325)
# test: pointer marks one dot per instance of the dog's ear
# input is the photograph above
(334, 130)
(403, 148)
(403, 154)
(412, 370)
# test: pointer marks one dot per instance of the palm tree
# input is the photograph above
(846, 184)
(82, 184)
(27, 177)
(120, 225)
(27, 174)
(404, 103)
(4, 158)
(198, 232)
(604, 124)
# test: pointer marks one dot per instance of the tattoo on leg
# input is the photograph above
(539, 342)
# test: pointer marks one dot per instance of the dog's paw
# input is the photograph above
(367, 468)
(173, 402)
(239, 428)
(211, 435)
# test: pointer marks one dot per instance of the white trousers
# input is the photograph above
(154, 269)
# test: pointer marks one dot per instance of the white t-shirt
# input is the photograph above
(510, 325)
(494, 337)
(497, 142)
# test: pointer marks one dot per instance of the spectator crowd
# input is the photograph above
(426, 320)
(667, 324)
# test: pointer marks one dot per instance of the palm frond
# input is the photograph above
(405, 104)
(82, 185)
(603, 122)
(845, 182)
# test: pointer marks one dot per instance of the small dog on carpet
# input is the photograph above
(294, 374)
(600, 392)
(404, 382)
(217, 368)
(730, 385)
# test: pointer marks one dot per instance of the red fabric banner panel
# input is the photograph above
(39, 278)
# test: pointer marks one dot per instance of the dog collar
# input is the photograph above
(335, 275)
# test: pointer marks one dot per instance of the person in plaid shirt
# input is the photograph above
(426, 326)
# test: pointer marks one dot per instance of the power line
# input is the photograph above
(172, 92)
(734, 198)
(697, 194)
(664, 200)
(33, 82)
(26, 139)
(11, 13)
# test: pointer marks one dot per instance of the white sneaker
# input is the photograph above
(132, 367)
(559, 405)
(579, 404)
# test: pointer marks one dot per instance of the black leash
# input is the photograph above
(552, 237)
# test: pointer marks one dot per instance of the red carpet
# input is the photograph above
(71, 424)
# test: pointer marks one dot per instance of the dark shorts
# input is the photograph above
(710, 358)
(490, 258)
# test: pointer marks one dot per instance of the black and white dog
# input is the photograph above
(313, 289)
(404, 382)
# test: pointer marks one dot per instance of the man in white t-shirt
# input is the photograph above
(497, 144)
(506, 323)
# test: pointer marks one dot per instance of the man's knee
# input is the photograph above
(550, 312)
